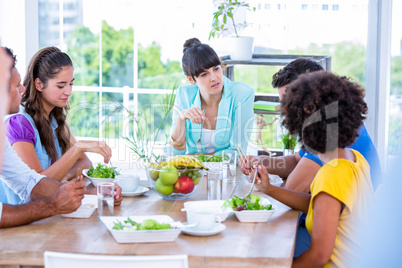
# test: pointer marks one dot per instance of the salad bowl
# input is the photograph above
(96, 181)
(258, 209)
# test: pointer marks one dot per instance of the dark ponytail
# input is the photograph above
(198, 57)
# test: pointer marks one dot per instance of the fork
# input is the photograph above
(248, 196)
(199, 140)
(115, 173)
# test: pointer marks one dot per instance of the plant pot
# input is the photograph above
(241, 48)
(288, 151)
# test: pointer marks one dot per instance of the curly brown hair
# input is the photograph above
(324, 110)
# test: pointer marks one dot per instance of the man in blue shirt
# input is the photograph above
(300, 169)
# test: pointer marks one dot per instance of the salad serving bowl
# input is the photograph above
(96, 181)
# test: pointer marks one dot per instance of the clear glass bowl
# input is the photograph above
(196, 175)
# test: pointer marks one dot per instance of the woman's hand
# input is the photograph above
(262, 180)
(118, 197)
(195, 115)
(246, 162)
(99, 147)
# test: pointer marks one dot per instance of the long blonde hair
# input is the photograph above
(45, 65)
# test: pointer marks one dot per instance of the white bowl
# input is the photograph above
(96, 181)
(216, 205)
(88, 206)
(255, 215)
(141, 236)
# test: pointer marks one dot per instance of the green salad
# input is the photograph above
(101, 171)
(239, 204)
(130, 225)
(210, 158)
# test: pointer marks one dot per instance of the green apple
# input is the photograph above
(154, 172)
(162, 188)
(169, 175)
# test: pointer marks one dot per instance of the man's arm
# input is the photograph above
(302, 175)
(45, 188)
(281, 166)
(66, 200)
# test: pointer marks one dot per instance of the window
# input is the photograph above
(304, 6)
(335, 7)
(324, 7)
(395, 98)
(146, 62)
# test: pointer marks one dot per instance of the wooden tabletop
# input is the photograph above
(268, 244)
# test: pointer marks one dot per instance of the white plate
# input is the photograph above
(96, 181)
(146, 236)
(193, 231)
(88, 206)
(140, 191)
(223, 213)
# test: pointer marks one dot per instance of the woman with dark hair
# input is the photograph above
(213, 113)
(40, 134)
(326, 112)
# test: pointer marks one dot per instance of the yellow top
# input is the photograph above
(350, 183)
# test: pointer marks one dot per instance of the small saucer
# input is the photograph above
(140, 191)
(193, 231)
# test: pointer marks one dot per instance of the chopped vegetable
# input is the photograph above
(149, 224)
(238, 204)
(101, 171)
(212, 158)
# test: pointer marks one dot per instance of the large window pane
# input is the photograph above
(395, 100)
(84, 114)
(161, 33)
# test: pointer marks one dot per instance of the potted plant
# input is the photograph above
(225, 20)
(289, 143)
(143, 142)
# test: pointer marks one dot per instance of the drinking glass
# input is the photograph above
(229, 165)
(105, 199)
(214, 187)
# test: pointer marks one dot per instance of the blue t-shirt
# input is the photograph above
(363, 145)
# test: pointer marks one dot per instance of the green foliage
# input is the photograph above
(396, 77)
(83, 49)
(395, 140)
(117, 56)
(224, 18)
(288, 141)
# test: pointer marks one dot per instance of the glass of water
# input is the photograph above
(229, 159)
(105, 192)
(214, 187)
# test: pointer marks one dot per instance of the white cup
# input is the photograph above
(128, 183)
(206, 219)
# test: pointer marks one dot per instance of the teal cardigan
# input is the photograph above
(235, 116)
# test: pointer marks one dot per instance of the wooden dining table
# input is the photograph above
(268, 244)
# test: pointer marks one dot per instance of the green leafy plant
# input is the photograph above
(224, 18)
(288, 141)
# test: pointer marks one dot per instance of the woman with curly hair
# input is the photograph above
(40, 134)
(326, 112)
